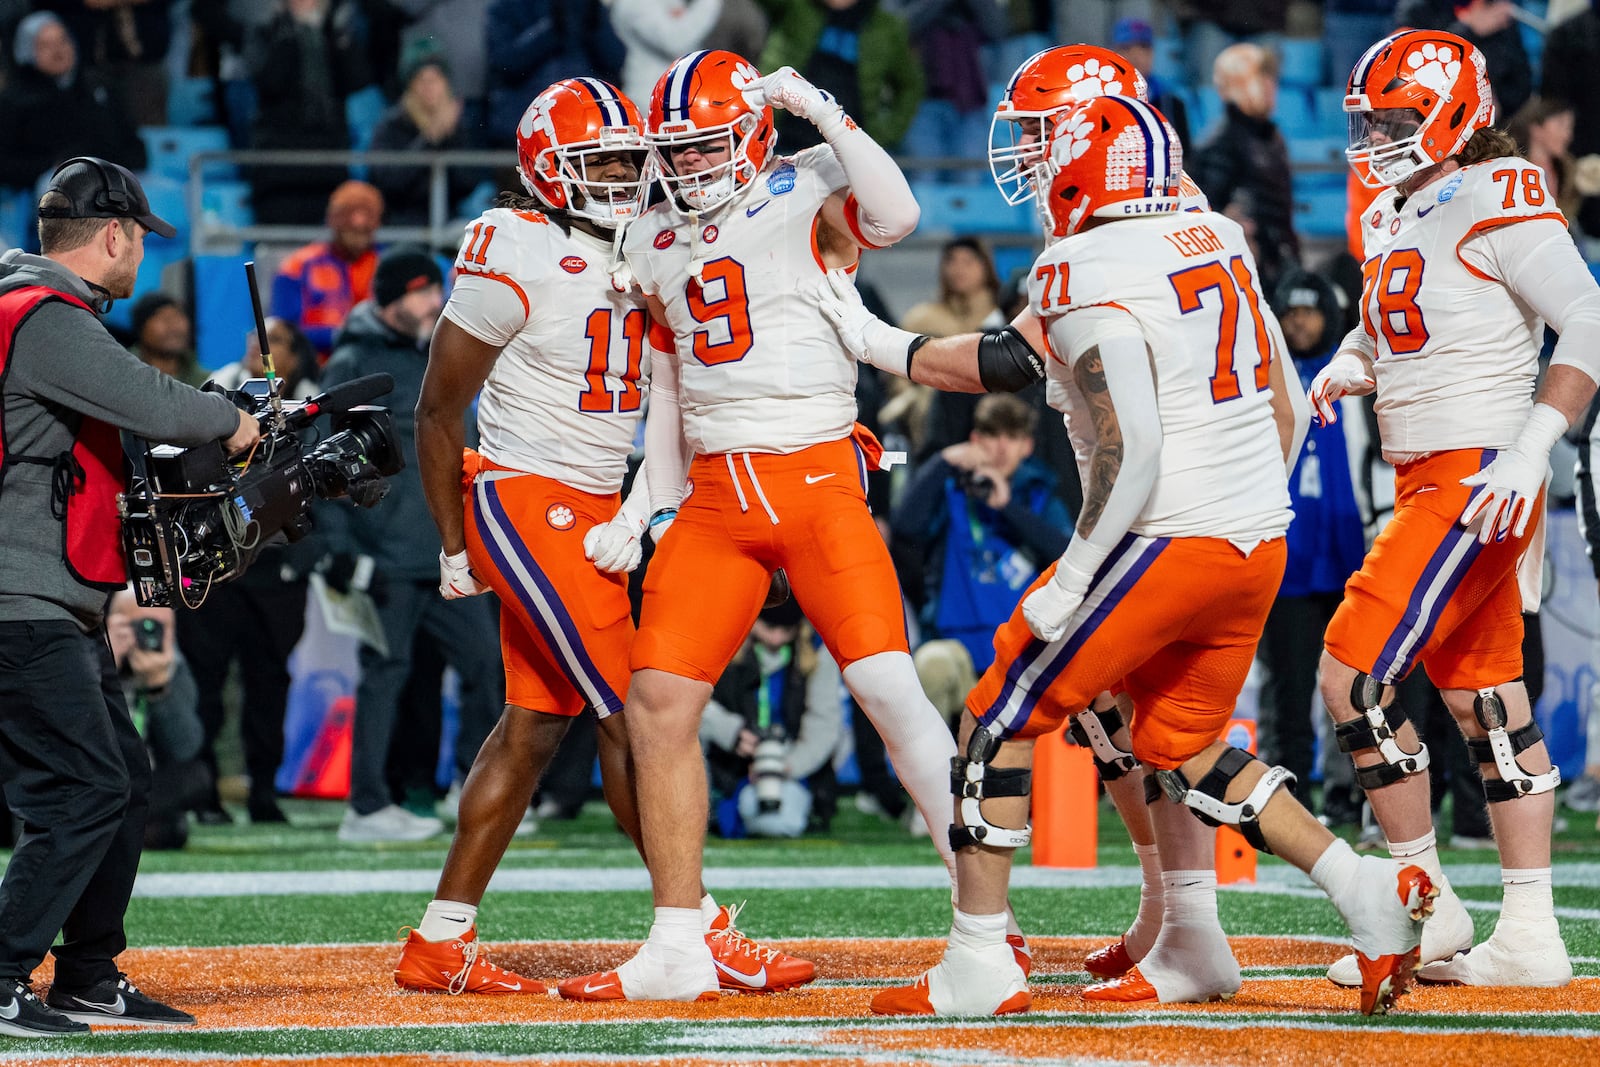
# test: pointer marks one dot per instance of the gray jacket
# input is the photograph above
(64, 365)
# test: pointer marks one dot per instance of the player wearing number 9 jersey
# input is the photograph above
(765, 397)
(1467, 257)
(541, 320)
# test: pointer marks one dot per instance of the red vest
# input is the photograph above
(87, 479)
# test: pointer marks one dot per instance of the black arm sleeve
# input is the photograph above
(1007, 363)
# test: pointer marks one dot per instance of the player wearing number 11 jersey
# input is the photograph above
(1466, 253)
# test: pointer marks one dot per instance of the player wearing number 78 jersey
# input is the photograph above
(1466, 253)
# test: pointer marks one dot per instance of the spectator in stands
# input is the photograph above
(162, 697)
(428, 118)
(856, 50)
(55, 109)
(1243, 165)
(1543, 128)
(125, 43)
(953, 119)
(976, 525)
(293, 361)
(1326, 543)
(1135, 39)
(318, 285)
(454, 29)
(163, 337)
(228, 27)
(1571, 58)
(1348, 29)
(1489, 25)
(769, 733)
(390, 334)
(656, 32)
(304, 63)
(532, 43)
(1214, 25)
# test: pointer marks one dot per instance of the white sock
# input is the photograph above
(978, 931)
(1191, 958)
(677, 928)
(1147, 924)
(1424, 852)
(1335, 870)
(708, 913)
(446, 920)
(1527, 895)
(1189, 898)
(914, 735)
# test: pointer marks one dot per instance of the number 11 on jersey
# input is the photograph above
(597, 328)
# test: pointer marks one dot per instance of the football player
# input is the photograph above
(543, 324)
(1165, 367)
(1467, 257)
(765, 398)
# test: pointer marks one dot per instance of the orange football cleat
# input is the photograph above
(603, 985)
(1112, 961)
(1386, 976)
(1130, 988)
(1022, 951)
(455, 966)
(744, 966)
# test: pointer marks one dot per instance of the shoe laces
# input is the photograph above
(738, 942)
(472, 956)
(22, 989)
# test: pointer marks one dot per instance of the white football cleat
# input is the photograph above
(1385, 906)
(1449, 932)
(966, 982)
(1518, 953)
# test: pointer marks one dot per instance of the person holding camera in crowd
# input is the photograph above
(75, 769)
(164, 699)
(770, 730)
(976, 525)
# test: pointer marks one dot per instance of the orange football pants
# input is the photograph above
(565, 627)
(1174, 622)
(1428, 592)
(748, 514)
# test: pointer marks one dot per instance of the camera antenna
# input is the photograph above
(273, 386)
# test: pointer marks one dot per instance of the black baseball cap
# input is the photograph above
(102, 190)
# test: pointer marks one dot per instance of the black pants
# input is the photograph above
(258, 625)
(78, 779)
(1290, 649)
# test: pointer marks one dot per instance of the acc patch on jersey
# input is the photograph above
(560, 517)
(574, 264)
(781, 180)
(664, 239)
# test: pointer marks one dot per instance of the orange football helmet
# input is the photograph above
(1046, 85)
(701, 98)
(1414, 99)
(1109, 157)
(567, 124)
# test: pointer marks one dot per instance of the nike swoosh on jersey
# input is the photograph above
(813, 479)
(12, 1010)
(750, 212)
(754, 981)
(116, 1007)
(1421, 211)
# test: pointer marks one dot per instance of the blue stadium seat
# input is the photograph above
(1316, 150)
(1168, 63)
(362, 110)
(1302, 62)
(222, 308)
(170, 148)
(16, 215)
(191, 102)
(1294, 115)
(169, 198)
(1330, 107)
(227, 204)
(961, 209)
(1319, 211)
(1207, 110)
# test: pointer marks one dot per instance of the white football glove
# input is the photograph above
(614, 546)
(1049, 608)
(865, 336)
(456, 579)
(788, 90)
(1345, 375)
(1512, 480)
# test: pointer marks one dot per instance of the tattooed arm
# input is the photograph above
(1113, 372)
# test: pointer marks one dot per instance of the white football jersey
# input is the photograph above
(1457, 352)
(1189, 281)
(761, 369)
(565, 396)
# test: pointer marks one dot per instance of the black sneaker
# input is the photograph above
(114, 999)
(24, 1015)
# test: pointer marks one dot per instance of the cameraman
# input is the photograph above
(976, 525)
(75, 770)
(769, 733)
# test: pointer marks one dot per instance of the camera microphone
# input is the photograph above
(342, 397)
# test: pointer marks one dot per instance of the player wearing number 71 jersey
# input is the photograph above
(558, 344)
(1466, 253)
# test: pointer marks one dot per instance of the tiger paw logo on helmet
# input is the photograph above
(1434, 66)
(1074, 139)
(1091, 78)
